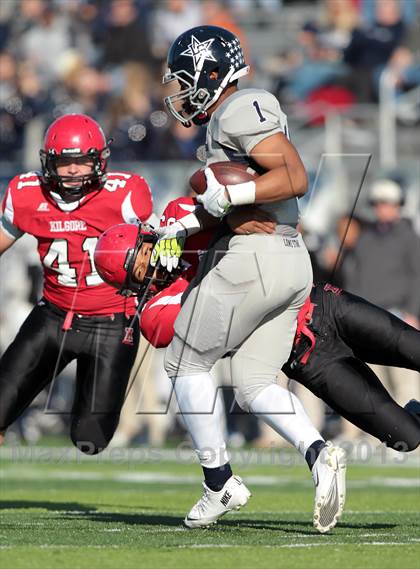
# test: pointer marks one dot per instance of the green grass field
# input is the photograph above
(70, 513)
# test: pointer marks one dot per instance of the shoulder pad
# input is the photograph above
(25, 181)
(255, 110)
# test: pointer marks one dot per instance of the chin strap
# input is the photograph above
(63, 205)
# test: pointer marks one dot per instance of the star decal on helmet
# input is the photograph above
(199, 51)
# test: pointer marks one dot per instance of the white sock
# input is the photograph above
(201, 407)
(283, 411)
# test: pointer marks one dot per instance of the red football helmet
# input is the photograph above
(115, 256)
(77, 136)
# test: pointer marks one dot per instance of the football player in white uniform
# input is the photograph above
(246, 300)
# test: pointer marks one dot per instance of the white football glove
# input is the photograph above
(169, 246)
(214, 200)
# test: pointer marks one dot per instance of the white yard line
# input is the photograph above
(222, 545)
(294, 545)
(153, 477)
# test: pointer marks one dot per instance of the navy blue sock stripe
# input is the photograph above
(313, 452)
(216, 478)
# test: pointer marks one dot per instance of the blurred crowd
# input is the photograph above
(105, 58)
(341, 55)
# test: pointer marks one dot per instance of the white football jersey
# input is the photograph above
(243, 120)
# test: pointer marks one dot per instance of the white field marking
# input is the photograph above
(291, 545)
(380, 534)
(166, 530)
(209, 546)
(379, 512)
(388, 542)
(73, 512)
(171, 529)
(339, 544)
(223, 545)
(112, 529)
(158, 529)
(396, 482)
(153, 477)
(26, 524)
(358, 512)
(56, 546)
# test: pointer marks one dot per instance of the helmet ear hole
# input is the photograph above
(214, 74)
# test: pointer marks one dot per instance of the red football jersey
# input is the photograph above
(159, 314)
(67, 239)
(194, 245)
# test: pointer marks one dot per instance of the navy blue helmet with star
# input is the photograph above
(192, 59)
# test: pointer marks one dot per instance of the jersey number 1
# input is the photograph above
(259, 113)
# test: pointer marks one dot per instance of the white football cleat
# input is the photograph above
(212, 505)
(329, 474)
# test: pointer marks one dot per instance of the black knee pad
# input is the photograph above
(91, 434)
(409, 440)
(408, 445)
(406, 437)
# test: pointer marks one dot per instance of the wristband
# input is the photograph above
(191, 224)
(242, 194)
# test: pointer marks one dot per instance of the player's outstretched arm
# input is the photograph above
(286, 176)
(5, 242)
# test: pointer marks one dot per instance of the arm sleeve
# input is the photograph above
(8, 221)
(254, 118)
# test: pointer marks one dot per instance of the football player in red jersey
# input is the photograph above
(66, 207)
(337, 333)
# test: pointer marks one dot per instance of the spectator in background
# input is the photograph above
(84, 89)
(371, 47)
(124, 35)
(406, 73)
(321, 66)
(316, 64)
(11, 129)
(22, 96)
(46, 35)
(180, 143)
(337, 256)
(386, 256)
(215, 13)
(129, 117)
(408, 10)
(171, 18)
(339, 20)
(386, 271)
